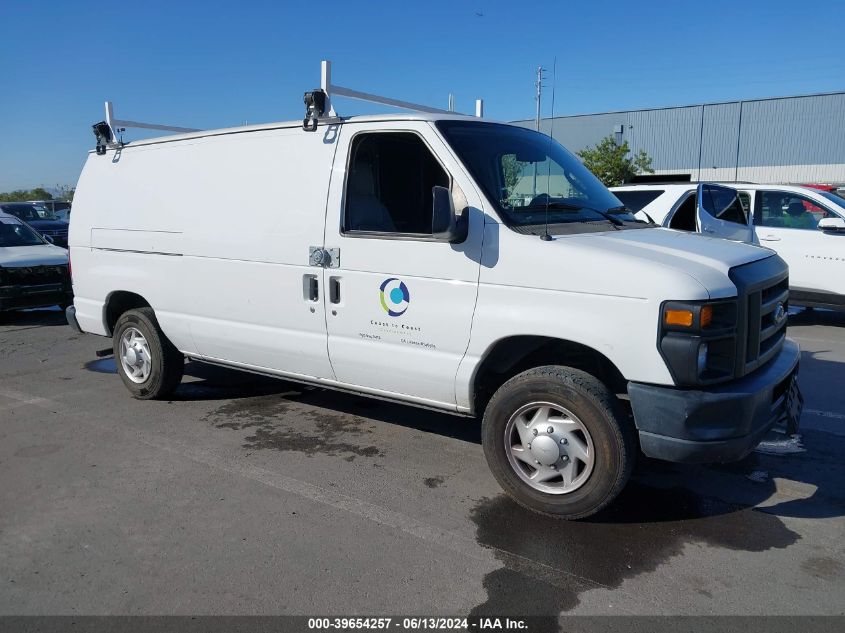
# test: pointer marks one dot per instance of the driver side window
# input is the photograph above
(389, 185)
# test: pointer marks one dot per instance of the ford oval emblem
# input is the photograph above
(780, 312)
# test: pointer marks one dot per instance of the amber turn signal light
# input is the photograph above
(678, 317)
(706, 316)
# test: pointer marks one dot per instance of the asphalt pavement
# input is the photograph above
(247, 495)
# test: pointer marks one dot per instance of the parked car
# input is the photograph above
(398, 265)
(805, 226)
(33, 272)
(40, 218)
(60, 208)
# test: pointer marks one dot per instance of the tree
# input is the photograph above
(39, 193)
(66, 193)
(512, 172)
(612, 164)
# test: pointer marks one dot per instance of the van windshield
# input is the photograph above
(524, 173)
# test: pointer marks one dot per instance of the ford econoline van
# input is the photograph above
(418, 258)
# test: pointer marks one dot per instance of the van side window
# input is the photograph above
(388, 187)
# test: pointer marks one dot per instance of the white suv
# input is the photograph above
(806, 227)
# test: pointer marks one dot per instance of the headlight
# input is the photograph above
(698, 340)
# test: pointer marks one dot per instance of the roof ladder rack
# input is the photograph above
(107, 131)
(319, 106)
(116, 124)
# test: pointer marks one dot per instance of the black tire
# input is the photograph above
(598, 410)
(167, 363)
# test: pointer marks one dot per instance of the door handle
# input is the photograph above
(770, 238)
(334, 290)
(708, 230)
(311, 288)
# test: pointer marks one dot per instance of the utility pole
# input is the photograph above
(538, 83)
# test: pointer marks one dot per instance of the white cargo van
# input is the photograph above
(395, 261)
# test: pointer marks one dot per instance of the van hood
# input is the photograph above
(660, 252)
(38, 255)
(681, 248)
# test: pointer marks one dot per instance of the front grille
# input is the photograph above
(54, 232)
(33, 275)
(763, 291)
(766, 322)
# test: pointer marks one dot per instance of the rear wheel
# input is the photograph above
(557, 442)
(147, 362)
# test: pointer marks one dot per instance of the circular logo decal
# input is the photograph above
(780, 313)
(394, 296)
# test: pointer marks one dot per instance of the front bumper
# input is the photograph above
(21, 297)
(722, 423)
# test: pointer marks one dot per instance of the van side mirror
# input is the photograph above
(716, 200)
(445, 225)
(834, 225)
(48, 239)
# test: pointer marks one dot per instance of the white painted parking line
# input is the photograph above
(19, 400)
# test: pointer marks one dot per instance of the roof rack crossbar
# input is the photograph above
(116, 124)
(335, 90)
(396, 103)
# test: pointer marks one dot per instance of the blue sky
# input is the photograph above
(217, 64)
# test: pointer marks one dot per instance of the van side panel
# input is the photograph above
(213, 232)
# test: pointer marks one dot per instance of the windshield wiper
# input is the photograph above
(574, 207)
(623, 209)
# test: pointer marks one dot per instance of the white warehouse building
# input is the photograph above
(797, 139)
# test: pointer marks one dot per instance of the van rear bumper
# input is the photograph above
(722, 423)
(70, 315)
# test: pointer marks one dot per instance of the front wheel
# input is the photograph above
(148, 363)
(557, 442)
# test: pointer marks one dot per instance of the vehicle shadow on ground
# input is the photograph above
(262, 402)
(26, 319)
(808, 316)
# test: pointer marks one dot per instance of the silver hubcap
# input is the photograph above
(549, 448)
(135, 355)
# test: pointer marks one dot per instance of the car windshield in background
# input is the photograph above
(636, 199)
(14, 233)
(836, 200)
(525, 173)
(26, 212)
(44, 213)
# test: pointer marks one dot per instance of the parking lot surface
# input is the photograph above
(247, 495)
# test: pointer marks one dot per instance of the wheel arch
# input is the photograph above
(117, 302)
(509, 356)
